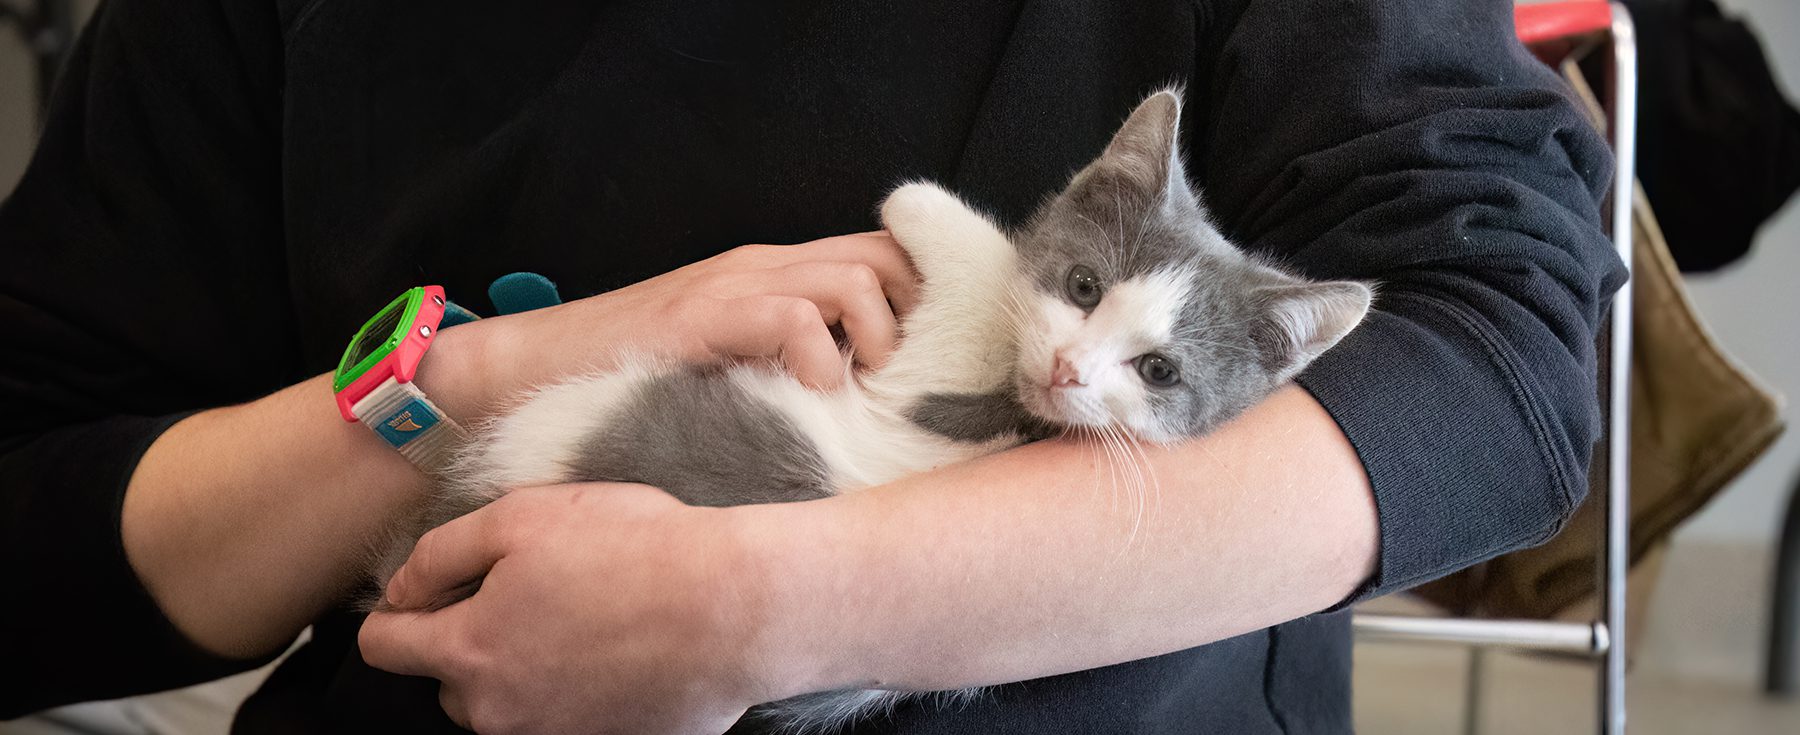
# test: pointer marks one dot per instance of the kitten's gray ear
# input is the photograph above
(1301, 320)
(1144, 157)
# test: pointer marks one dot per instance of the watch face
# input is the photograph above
(376, 338)
(376, 333)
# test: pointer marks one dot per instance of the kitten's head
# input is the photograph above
(1138, 314)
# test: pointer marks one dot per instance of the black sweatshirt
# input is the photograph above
(226, 190)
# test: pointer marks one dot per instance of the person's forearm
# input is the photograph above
(247, 522)
(1028, 563)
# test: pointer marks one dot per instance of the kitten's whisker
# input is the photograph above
(1103, 454)
(1223, 346)
(1120, 474)
(1112, 466)
(1154, 480)
(1143, 224)
(1097, 228)
(1119, 214)
(1147, 478)
(1134, 479)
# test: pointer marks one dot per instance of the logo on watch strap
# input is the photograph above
(406, 423)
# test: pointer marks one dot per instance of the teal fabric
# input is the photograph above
(455, 314)
(518, 292)
(511, 294)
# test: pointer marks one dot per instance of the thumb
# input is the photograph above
(449, 561)
(408, 643)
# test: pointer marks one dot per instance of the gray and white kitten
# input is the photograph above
(1118, 308)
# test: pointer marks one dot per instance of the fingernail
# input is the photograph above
(394, 591)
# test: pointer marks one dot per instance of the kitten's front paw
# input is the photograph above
(916, 211)
(933, 225)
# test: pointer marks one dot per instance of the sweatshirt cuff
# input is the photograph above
(1460, 448)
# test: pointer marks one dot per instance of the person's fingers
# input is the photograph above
(850, 295)
(447, 559)
(788, 328)
(877, 250)
(407, 643)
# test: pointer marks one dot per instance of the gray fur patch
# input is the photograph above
(699, 437)
(977, 417)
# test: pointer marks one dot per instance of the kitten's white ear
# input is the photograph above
(1302, 320)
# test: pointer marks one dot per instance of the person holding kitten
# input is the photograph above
(224, 192)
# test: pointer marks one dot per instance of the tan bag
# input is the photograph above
(1697, 421)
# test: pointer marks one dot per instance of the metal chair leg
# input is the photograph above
(1472, 685)
(1616, 554)
(1782, 676)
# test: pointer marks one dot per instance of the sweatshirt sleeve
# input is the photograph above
(1417, 144)
(142, 280)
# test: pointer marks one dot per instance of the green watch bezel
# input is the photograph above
(347, 374)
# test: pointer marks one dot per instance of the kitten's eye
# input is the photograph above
(1084, 287)
(1158, 370)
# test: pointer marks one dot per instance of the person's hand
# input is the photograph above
(754, 301)
(605, 608)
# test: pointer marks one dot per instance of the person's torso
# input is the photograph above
(603, 143)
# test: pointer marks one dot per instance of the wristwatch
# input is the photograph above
(374, 384)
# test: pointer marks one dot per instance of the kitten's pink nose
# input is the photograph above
(1064, 374)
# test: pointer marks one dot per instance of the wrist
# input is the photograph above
(455, 373)
(798, 570)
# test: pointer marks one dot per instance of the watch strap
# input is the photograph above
(402, 416)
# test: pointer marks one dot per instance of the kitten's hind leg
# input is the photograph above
(959, 339)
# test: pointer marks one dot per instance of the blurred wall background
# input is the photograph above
(1753, 307)
(18, 114)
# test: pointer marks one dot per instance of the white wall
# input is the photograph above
(1753, 307)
